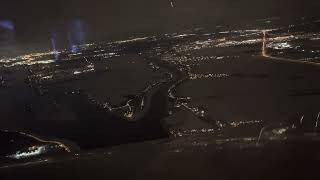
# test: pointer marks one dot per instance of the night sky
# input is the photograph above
(36, 20)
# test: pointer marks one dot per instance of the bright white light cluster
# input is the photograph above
(32, 151)
(280, 45)
(204, 76)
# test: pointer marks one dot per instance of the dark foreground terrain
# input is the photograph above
(186, 158)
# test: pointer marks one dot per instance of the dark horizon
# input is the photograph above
(36, 21)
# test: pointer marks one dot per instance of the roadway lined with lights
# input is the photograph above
(60, 144)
